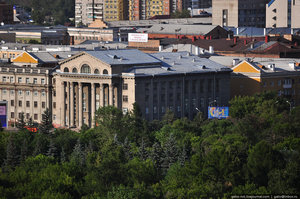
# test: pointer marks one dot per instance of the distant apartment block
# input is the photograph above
(115, 10)
(86, 11)
(6, 13)
(239, 13)
(283, 13)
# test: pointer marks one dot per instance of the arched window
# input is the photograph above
(105, 72)
(66, 70)
(96, 71)
(85, 69)
(74, 70)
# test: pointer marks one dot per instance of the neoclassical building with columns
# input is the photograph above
(181, 82)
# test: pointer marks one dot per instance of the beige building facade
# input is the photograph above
(283, 13)
(239, 13)
(26, 90)
(180, 82)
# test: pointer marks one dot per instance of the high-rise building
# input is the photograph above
(239, 13)
(283, 13)
(115, 10)
(86, 11)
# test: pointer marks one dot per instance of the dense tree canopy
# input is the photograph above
(255, 151)
(48, 11)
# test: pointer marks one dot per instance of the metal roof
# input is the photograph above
(123, 57)
(181, 29)
(179, 63)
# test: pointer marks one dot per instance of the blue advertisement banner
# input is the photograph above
(3, 114)
(218, 112)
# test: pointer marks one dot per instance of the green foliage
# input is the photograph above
(21, 122)
(46, 125)
(183, 14)
(255, 151)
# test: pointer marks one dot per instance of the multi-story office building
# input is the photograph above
(6, 13)
(86, 11)
(177, 81)
(26, 90)
(239, 13)
(283, 13)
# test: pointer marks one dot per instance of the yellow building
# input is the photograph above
(114, 10)
(282, 76)
(154, 8)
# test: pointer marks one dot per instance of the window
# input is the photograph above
(154, 109)
(74, 70)
(125, 98)
(27, 103)
(19, 79)
(12, 115)
(125, 86)
(43, 93)
(12, 92)
(27, 80)
(3, 79)
(66, 70)
(43, 104)
(27, 116)
(42, 81)
(84, 106)
(20, 115)
(12, 102)
(27, 93)
(11, 79)
(35, 117)
(147, 110)
(54, 117)
(105, 72)
(35, 104)
(85, 69)
(96, 71)
(35, 93)
(35, 80)
(20, 92)
(54, 104)
(20, 103)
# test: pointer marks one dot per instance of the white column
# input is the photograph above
(101, 96)
(93, 104)
(71, 104)
(111, 94)
(63, 108)
(80, 104)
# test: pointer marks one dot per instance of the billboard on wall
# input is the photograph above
(137, 37)
(3, 114)
(218, 112)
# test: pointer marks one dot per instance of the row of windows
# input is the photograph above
(85, 69)
(27, 104)
(35, 116)
(10, 55)
(20, 80)
(20, 92)
(194, 84)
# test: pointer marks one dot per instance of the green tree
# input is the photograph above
(46, 125)
(21, 122)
